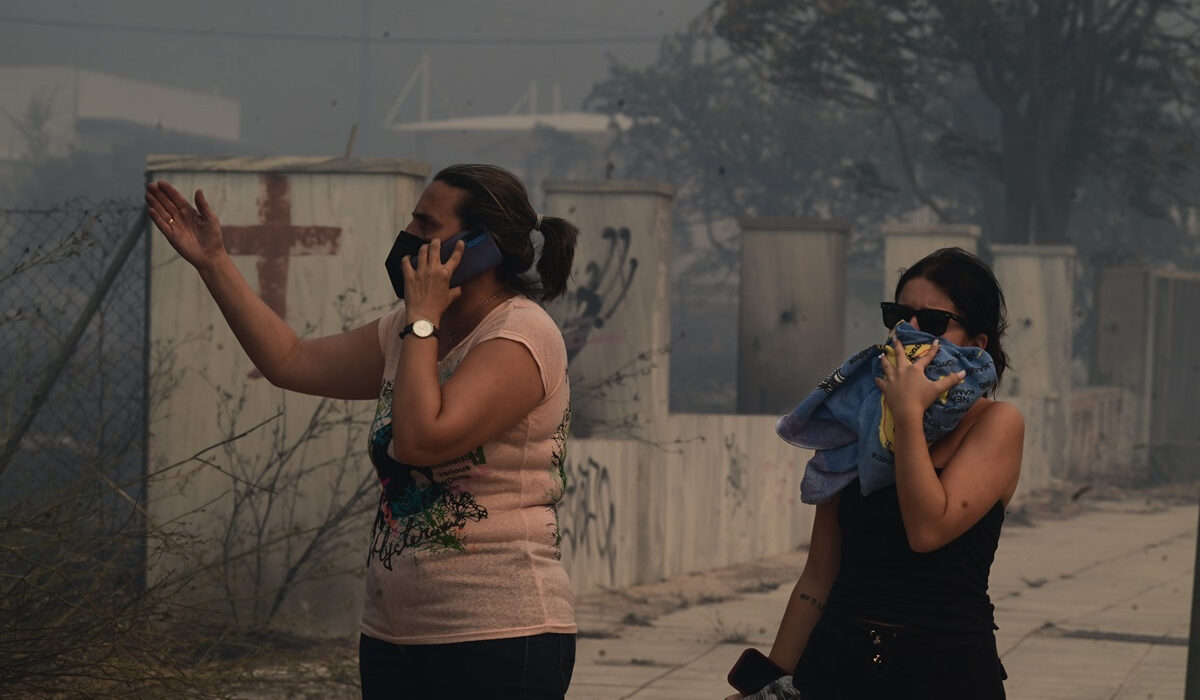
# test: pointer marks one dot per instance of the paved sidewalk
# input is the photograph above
(1096, 605)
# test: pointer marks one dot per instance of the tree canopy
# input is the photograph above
(1042, 99)
(735, 146)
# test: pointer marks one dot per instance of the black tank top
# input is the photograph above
(883, 580)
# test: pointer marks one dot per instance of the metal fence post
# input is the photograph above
(1192, 684)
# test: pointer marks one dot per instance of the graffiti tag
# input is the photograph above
(605, 285)
(589, 525)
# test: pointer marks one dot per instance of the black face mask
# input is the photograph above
(406, 245)
(480, 254)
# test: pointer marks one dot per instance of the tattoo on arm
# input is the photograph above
(812, 601)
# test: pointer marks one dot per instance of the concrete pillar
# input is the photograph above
(616, 315)
(1038, 283)
(1124, 346)
(310, 236)
(791, 328)
(1146, 333)
(904, 244)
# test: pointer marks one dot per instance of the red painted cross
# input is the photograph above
(274, 240)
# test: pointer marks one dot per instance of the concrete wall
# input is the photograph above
(1174, 428)
(1038, 284)
(1101, 439)
(650, 493)
(1146, 335)
(1045, 442)
(1123, 305)
(616, 317)
(1083, 437)
(904, 244)
(716, 490)
(791, 325)
(310, 235)
(1087, 436)
(653, 494)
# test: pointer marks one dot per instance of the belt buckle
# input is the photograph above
(878, 654)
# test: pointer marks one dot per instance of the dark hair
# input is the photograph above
(973, 288)
(496, 200)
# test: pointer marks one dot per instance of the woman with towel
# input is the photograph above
(892, 601)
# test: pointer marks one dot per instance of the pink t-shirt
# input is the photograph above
(469, 549)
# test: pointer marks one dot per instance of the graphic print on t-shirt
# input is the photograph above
(558, 472)
(417, 513)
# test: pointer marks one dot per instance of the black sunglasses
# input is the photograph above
(932, 321)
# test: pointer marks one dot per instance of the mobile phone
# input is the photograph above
(753, 671)
(479, 255)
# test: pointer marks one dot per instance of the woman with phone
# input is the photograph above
(465, 590)
(892, 601)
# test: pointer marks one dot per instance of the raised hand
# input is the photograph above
(194, 232)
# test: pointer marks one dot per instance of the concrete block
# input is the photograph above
(1038, 284)
(791, 327)
(904, 244)
(616, 319)
(310, 235)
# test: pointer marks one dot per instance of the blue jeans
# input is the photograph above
(534, 668)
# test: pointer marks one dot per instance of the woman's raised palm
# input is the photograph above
(194, 232)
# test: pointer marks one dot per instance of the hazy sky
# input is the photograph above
(300, 95)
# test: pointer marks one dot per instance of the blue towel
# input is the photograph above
(846, 420)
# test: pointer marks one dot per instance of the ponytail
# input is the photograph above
(496, 200)
(558, 253)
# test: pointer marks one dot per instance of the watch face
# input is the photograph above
(422, 328)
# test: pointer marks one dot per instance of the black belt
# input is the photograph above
(874, 642)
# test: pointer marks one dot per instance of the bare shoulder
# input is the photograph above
(990, 454)
(995, 422)
(1001, 415)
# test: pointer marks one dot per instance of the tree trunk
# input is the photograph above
(1016, 168)
(1052, 210)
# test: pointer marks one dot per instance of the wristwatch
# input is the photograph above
(422, 328)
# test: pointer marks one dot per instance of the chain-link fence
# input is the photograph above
(72, 448)
(87, 607)
(72, 339)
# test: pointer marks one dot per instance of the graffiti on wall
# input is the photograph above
(600, 293)
(588, 513)
(735, 477)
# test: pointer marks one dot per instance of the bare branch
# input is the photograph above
(909, 169)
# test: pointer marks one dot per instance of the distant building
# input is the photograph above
(69, 132)
(579, 123)
(57, 111)
(534, 146)
(532, 143)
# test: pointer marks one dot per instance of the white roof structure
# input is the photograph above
(57, 100)
(570, 122)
